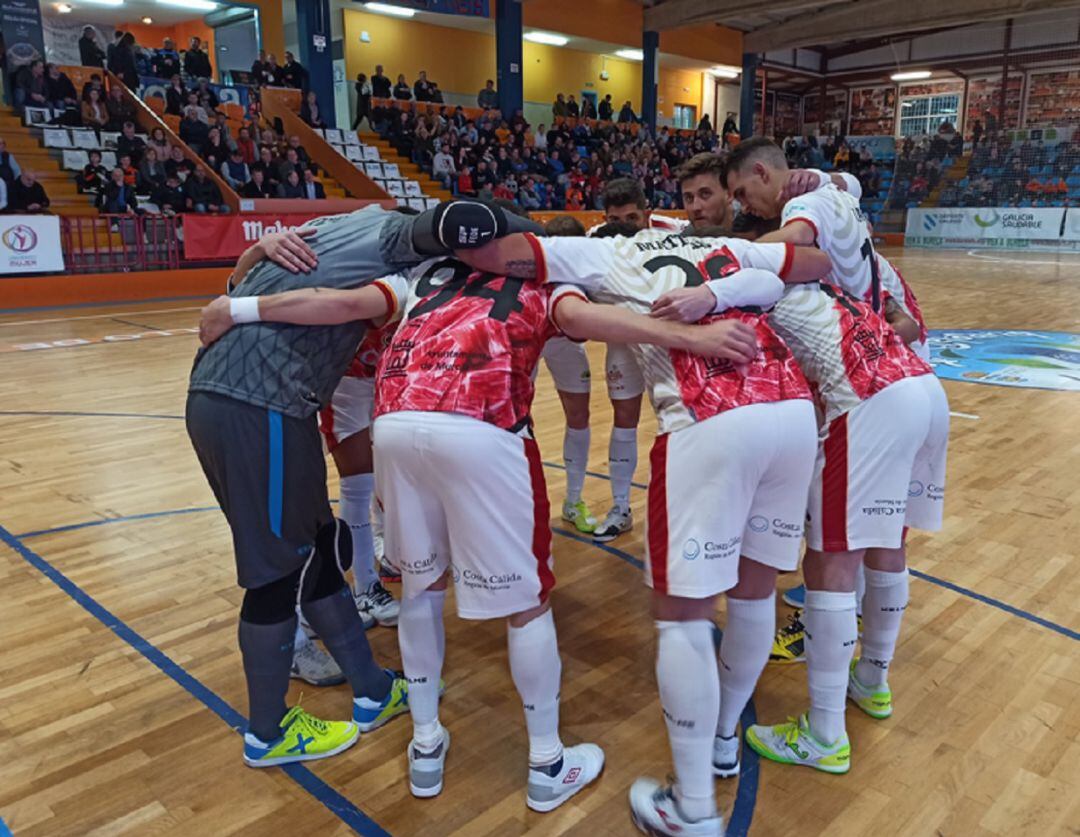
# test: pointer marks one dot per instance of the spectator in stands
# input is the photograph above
(200, 111)
(871, 181)
(422, 88)
(310, 111)
(380, 83)
(627, 115)
(443, 168)
(130, 143)
(197, 62)
(234, 170)
(3, 195)
(202, 194)
(193, 130)
(175, 95)
(122, 61)
(26, 195)
(94, 113)
(221, 122)
(9, 168)
(290, 187)
(842, 160)
(120, 109)
(170, 197)
(606, 110)
(588, 109)
(402, 91)
(363, 101)
(117, 197)
(159, 143)
(248, 151)
(90, 53)
(208, 99)
(292, 73)
(166, 61)
(215, 150)
(301, 152)
(93, 84)
(291, 163)
(31, 88)
(131, 174)
(313, 189)
(540, 138)
(257, 67)
(93, 175)
(558, 108)
(573, 110)
(257, 187)
(976, 133)
(177, 164)
(61, 92)
(151, 172)
(489, 96)
(705, 124)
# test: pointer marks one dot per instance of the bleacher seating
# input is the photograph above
(387, 175)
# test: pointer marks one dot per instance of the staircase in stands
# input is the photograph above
(25, 146)
(430, 187)
(951, 176)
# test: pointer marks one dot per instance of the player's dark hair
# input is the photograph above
(751, 151)
(622, 191)
(706, 232)
(699, 164)
(616, 229)
(564, 226)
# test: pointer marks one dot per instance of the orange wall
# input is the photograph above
(272, 25)
(707, 42)
(616, 21)
(679, 87)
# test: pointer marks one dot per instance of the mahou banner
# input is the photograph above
(216, 237)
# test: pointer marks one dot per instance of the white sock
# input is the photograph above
(575, 454)
(422, 638)
(622, 462)
(537, 670)
(831, 633)
(744, 651)
(301, 636)
(376, 516)
(885, 602)
(690, 697)
(356, 492)
(860, 588)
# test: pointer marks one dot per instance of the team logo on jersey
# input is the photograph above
(758, 523)
(915, 489)
(691, 549)
(1032, 359)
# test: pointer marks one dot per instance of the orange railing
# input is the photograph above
(119, 243)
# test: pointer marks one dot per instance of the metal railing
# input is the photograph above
(120, 243)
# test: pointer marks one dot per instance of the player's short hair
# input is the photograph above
(622, 191)
(615, 229)
(757, 149)
(699, 164)
(706, 232)
(564, 226)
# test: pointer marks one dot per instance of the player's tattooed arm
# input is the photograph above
(584, 320)
(902, 324)
(513, 255)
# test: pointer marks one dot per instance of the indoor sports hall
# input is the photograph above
(190, 131)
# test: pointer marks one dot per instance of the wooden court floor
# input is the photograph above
(120, 680)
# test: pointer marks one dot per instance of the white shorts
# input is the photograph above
(624, 378)
(872, 460)
(454, 487)
(734, 484)
(568, 364)
(349, 412)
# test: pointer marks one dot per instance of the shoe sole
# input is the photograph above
(607, 538)
(877, 716)
(726, 772)
(763, 751)
(545, 807)
(786, 661)
(281, 760)
(585, 530)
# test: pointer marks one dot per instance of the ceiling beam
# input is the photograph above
(675, 13)
(873, 18)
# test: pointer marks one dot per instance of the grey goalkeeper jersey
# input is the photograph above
(295, 369)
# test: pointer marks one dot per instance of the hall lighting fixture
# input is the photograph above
(63, 8)
(147, 20)
(548, 38)
(387, 9)
(725, 72)
(630, 54)
(105, 2)
(912, 75)
(196, 5)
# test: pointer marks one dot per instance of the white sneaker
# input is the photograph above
(376, 603)
(315, 666)
(655, 811)
(426, 767)
(617, 522)
(380, 547)
(725, 756)
(551, 786)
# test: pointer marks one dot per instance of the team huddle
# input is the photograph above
(793, 400)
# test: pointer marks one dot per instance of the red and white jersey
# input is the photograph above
(396, 288)
(634, 272)
(894, 285)
(468, 343)
(846, 351)
(665, 223)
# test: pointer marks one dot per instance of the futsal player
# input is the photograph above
(736, 447)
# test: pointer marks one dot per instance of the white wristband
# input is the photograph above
(244, 309)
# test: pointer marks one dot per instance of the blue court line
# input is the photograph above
(4, 830)
(337, 804)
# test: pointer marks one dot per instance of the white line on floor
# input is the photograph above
(964, 415)
(119, 313)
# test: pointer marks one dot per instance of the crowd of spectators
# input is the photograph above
(20, 191)
(1025, 173)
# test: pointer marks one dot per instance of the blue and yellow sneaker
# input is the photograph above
(370, 714)
(875, 701)
(303, 738)
(793, 743)
(790, 641)
(795, 597)
(578, 514)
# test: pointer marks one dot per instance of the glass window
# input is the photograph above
(685, 116)
(925, 114)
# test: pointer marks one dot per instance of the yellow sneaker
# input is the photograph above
(789, 644)
(303, 738)
(875, 701)
(793, 743)
(578, 514)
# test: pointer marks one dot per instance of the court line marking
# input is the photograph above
(78, 413)
(963, 415)
(4, 830)
(95, 316)
(108, 303)
(989, 257)
(337, 804)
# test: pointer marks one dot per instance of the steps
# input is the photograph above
(951, 176)
(409, 170)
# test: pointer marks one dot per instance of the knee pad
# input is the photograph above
(272, 603)
(324, 573)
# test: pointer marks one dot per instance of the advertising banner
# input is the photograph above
(227, 236)
(1001, 228)
(30, 244)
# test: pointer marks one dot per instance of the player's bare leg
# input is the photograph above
(355, 465)
(576, 441)
(689, 682)
(622, 462)
(744, 651)
(883, 609)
